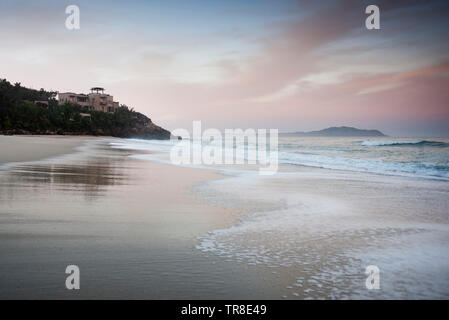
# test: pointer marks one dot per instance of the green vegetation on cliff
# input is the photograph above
(20, 113)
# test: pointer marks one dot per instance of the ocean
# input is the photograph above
(421, 158)
(335, 207)
(140, 227)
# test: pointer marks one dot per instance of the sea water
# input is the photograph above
(425, 158)
(336, 206)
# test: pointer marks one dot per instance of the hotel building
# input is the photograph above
(95, 100)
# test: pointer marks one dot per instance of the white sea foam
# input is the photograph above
(379, 166)
(434, 164)
(144, 145)
(323, 236)
(389, 143)
(327, 239)
(371, 143)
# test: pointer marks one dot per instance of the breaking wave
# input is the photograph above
(369, 143)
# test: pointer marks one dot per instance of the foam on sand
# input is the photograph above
(326, 239)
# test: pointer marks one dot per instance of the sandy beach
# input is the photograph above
(32, 148)
(139, 228)
(131, 226)
(235, 151)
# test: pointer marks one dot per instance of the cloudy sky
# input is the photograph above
(292, 65)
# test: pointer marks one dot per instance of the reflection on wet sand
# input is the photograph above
(91, 176)
(131, 226)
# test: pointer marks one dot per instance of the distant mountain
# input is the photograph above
(338, 132)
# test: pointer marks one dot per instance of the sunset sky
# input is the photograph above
(291, 65)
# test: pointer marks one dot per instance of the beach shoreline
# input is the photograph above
(311, 232)
(140, 228)
(26, 148)
(130, 225)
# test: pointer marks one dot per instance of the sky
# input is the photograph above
(290, 65)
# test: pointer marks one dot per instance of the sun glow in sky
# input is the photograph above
(292, 65)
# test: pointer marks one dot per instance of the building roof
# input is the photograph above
(97, 89)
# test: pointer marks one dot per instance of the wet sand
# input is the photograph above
(131, 226)
(146, 230)
(317, 230)
(32, 148)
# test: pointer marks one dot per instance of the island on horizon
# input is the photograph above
(342, 131)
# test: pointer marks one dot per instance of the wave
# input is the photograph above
(146, 145)
(431, 168)
(434, 170)
(369, 143)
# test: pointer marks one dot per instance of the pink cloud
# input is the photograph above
(316, 70)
